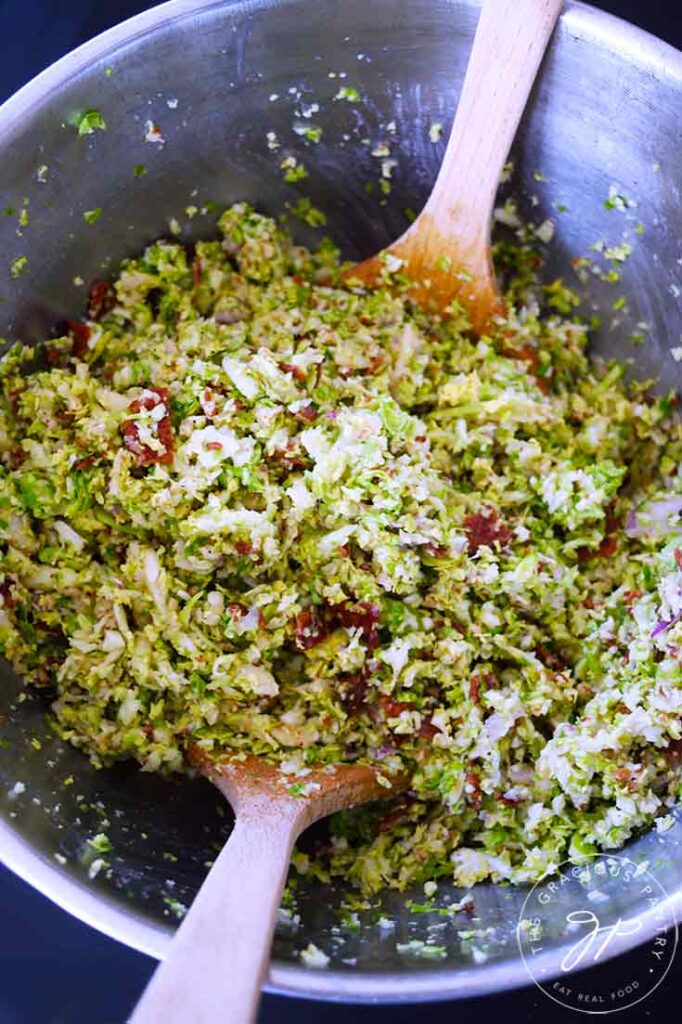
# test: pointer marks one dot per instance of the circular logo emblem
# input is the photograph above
(583, 909)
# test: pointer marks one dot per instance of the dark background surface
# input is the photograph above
(55, 970)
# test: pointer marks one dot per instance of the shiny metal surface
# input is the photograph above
(605, 113)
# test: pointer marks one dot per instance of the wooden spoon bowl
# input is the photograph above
(219, 957)
(446, 252)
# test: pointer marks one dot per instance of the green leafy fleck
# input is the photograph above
(92, 216)
(305, 211)
(90, 121)
(313, 134)
(18, 266)
(176, 908)
(348, 93)
(100, 843)
(293, 171)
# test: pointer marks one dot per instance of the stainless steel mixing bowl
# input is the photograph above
(216, 77)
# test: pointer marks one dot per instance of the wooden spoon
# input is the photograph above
(446, 251)
(219, 957)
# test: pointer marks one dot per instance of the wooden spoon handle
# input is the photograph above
(218, 960)
(510, 40)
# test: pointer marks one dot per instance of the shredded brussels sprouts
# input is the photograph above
(245, 505)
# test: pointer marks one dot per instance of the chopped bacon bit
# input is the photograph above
(292, 457)
(375, 364)
(486, 528)
(588, 602)
(550, 659)
(6, 588)
(243, 547)
(101, 299)
(612, 522)
(673, 752)
(313, 624)
(363, 616)
(149, 401)
(17, 456)
(435, 550)
(626, 777)
(394, 708)
(80, 333)
(509, 801)
(236, 611)
(53, 355)
(307, 413)
(609, 545)
(196, 271)
(353, 691)
(344, 551)
(297, 280)
(607, 548)
(214, 446)
(427, 730)
(297, 372)
(631, 596)
(131, 431)
(475, 689)
(472, 780)
(678, 557)
(310, 628)
(85, 463)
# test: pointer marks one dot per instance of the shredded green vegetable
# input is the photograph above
(245, 505)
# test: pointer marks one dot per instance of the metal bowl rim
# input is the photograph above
(102, 911)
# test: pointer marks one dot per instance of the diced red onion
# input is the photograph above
(660, 627)
(654, 519)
